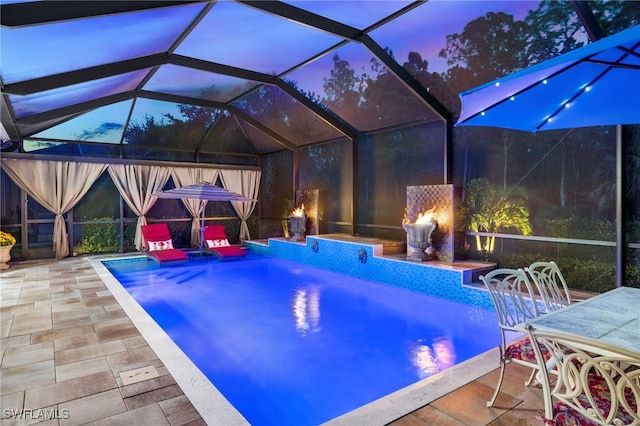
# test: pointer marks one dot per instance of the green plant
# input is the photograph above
(6, 239)
(102, 236)
(487, 208)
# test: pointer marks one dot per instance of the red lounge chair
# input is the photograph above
(159, 246)
(216, 242)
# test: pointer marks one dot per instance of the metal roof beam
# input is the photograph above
(178, 99)
(115, 145)
(41, 12)
(588, 19)
(217, 68)
(304, 17)
(264, 129)
(328, 25)
(219, 105)
(6, 118)
(78, 108)
(55, 81)
(406, 78)
(96, 103)
(35, 85)
(324, 114)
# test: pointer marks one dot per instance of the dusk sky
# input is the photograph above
(230, 34)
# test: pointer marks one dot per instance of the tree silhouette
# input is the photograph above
(553, 28)
(343, 89)
(488, 47)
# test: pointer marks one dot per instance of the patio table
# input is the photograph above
(612, 317)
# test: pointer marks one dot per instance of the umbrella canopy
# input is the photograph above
(206, 192)
(595, 85)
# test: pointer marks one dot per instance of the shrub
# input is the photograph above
(103, 236)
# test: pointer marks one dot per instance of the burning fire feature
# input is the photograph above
(297, 220)
(426, 217)
(297, 212)
(419, 234)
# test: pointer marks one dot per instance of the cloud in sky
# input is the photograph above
(100, 131)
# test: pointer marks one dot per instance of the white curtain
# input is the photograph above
(183, 176)
(136, 183)
(57, 186)
(247, 183)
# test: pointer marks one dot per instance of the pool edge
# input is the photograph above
(212, 406)
(215, 409)
(413, 397)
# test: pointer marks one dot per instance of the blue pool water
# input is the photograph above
(288, 343)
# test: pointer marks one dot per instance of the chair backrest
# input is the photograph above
(587, 372)
(512, 296)
(214, 236)
(551, 284)
(214, 232)
(155, 233)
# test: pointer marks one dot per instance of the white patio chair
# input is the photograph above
(551, 284)
(515, 303)
(592, 382)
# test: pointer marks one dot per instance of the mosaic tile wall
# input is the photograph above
(425, 197)
(359, 260)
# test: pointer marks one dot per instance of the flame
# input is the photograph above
(298, 212)
(426, 217)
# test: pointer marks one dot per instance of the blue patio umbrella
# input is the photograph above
(595, 85)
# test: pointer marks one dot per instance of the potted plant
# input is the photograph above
(7, 241)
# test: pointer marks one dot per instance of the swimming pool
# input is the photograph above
(287, 343)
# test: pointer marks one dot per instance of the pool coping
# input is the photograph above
(215, 409)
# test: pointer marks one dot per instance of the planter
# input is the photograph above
(5, 256)
(419, 238)
(298, 227)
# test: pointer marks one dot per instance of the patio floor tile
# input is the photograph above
(27, 376)
(149, 415)
(82, 368)
(94, 407)
(69, 390)
(469, 404)
(88, 352)
(14, 357)
(180, 411)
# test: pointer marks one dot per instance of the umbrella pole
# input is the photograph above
(621, 243)
(204, 205)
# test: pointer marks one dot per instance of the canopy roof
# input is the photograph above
(238, 78)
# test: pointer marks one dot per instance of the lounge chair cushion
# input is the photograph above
(172, 255)
(160, 245)
(218, 243)
(229, 251)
